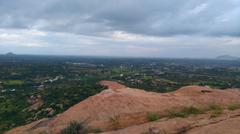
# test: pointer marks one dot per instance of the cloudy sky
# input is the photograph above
(136, 28)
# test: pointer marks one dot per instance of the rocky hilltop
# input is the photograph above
(123, 110)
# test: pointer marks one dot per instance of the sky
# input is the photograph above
(125, 28)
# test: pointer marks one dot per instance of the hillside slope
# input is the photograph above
(123, 110)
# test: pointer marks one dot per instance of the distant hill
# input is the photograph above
(227, 57)
(10, 54)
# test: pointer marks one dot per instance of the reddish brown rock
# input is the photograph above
(124, 108)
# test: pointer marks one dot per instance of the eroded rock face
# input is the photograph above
(227, 123)
(229, 126)
(120, 107)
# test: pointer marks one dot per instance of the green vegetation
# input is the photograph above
(13, 82)
(11, 113)
(74, 128)
(147, 78)
(216, 110)
(185, 112)
(234, 106)
(153, 116)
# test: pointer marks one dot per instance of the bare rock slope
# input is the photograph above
(123, 110)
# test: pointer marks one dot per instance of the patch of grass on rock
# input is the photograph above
(216, 110)
(185, 112)
(74, 128)
(153, 116)
(234, 106)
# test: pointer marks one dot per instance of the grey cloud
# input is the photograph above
(145, 17)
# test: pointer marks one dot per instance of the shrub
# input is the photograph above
(185, 112)
(214, 107)
(153, 116)
(74, 128)
(216, 110)
(234, 106)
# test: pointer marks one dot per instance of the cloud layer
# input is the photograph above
(156, 28)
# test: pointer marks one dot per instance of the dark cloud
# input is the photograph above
(145, 17)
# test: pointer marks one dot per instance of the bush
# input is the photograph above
(74, 128)
(216, 110)
(214, 107)
(185, 112)
(153, 116)
(234, 106)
